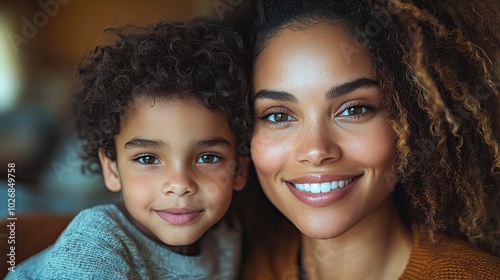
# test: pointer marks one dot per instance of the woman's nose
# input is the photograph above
(179, 183)
(316, 146)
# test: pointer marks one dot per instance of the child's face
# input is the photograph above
(175, 168)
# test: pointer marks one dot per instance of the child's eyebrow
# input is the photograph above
(218, 141)
(158, 144)
(144, 143)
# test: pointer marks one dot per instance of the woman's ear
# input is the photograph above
(241, 173)
(109, 172)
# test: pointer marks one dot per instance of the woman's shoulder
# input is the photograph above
(448, 257)
(270, 252)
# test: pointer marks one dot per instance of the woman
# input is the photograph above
(376, 135)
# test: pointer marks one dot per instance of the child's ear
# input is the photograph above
(241, 174)
(109, 172)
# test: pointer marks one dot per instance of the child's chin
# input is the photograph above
(182, 240)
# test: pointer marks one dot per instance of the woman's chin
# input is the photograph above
(321, 231)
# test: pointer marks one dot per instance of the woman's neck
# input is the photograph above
(378, 247)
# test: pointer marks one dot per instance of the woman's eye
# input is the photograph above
(147, 160)
(278, 117)
(354, 110)
(208, 159)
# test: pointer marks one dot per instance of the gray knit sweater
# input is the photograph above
(101, 243)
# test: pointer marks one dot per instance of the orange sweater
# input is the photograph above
(449, 258)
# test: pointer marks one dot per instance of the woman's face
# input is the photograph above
(322, 146)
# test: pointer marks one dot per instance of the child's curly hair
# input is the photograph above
(202, 59)
(437, 63)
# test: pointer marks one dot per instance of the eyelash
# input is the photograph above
(275, 111)
(369, 108)
(211, 155)
(140, 158)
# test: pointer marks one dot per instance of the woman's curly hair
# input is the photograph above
(437, 63)
(202, 60)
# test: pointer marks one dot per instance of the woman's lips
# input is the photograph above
(320, 192)
(178, 216)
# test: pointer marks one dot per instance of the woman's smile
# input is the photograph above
(319, 193)
(322, 187)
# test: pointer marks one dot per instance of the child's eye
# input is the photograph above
(277, 117)
(208, 158)
(147, 160)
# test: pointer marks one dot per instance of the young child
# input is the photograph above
(164, 111)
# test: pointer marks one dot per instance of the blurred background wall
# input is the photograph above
(41, 42)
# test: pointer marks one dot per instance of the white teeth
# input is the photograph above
(335, 184)
(322, 187)
(315, 188)
(326, 187)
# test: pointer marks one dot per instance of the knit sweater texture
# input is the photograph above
(449, 258)
(101, 243)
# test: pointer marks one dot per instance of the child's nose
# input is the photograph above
(179, 183)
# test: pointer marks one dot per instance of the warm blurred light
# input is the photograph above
(9, 66)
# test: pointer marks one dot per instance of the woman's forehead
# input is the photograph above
(300, 57)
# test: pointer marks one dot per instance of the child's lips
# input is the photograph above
(178, 216)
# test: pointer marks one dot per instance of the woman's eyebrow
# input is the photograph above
(345, 88)
(275, 95)
(335, 91)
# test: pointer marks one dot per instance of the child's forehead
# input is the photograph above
(171, 119)
(168, 98)
(168, 107)
(143, 101)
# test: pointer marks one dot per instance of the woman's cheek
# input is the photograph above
(267, 150)
(378, 146)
